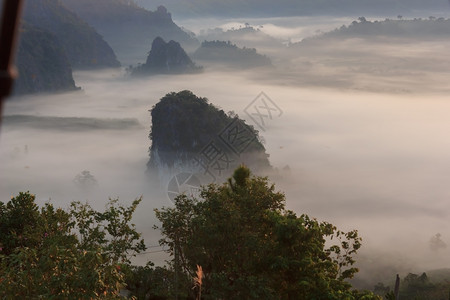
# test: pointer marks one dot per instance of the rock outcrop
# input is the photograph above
(191, 135)
(166, 58)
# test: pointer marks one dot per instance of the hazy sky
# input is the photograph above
(251, 8)
(364, 131)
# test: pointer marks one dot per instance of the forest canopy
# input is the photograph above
(236, 241)
(250, 247)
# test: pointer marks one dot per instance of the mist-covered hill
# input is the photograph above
(166, 58)
(221, 53)
(42, 63)
(84, 47)
(128, 28)
(400, 29)
(392, 55)
(188, 133)
(248, 36)
(264, 8)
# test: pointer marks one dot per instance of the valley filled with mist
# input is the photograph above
(359, 138)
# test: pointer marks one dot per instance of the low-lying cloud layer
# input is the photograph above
(69, 123)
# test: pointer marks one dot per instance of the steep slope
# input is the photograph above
(229, 55)
(166, 58)
(42, 63)
(191, 135)
(85, 48)
(128, 28)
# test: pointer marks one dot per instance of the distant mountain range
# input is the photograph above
(268, 8)
(221, 53)
(401, 55)
(247, 36)
(128, 28)
(398, 29)
(61, 35)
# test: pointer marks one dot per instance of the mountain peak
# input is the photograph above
(162, 10)
(167, 58)
(158, 42)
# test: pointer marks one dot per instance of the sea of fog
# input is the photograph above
(378, 163)
(367, 147)
(292, 29)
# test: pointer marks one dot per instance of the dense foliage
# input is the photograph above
(184, 121)
(51, 253)
(237, 242)
(418, 287)
(250, 247)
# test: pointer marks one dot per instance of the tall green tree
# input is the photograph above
(251, 247)
(50, 253)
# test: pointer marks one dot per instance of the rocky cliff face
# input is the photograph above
(193, 136)
(129, 29)
(84, 47)
(42, 63)
(166, 58)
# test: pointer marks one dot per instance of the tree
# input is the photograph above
(85, 180)
(52, 253)
(436, 242)
(362, 19)
(249, 246)
(418, 287)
